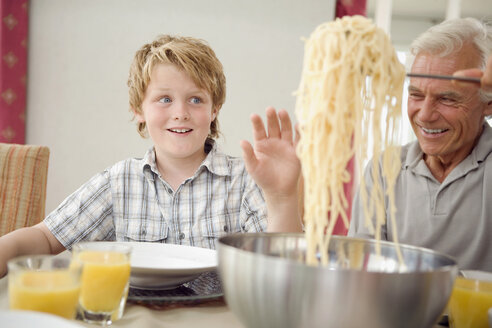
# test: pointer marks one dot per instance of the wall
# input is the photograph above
(80, 52)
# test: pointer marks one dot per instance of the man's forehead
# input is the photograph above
(430, 64)
(466, 57)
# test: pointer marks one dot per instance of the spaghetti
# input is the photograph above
(351, 86)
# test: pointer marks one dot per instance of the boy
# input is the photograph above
(184, 190)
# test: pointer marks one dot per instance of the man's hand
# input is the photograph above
(486, 80)
(485, 76)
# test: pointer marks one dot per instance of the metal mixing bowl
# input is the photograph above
(267, 284)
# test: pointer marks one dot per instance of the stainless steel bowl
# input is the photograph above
(267, 284)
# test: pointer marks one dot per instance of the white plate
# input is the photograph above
(16, 319)
(166, 266)
(477, 274)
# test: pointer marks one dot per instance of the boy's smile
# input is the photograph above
(178, 115)
(180, 131)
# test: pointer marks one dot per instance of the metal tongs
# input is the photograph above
(446, 77)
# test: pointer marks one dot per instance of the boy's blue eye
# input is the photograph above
(196, 100)
(165, 100)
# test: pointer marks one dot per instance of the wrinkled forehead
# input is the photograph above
(425, 64)
(464, 58)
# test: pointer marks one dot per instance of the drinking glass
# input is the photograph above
(44, 283)
(105, 280)
(469, 303)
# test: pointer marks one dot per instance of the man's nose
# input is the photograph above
(427, 111)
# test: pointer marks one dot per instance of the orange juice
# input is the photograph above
(105, 278)
(55, 292)
(469, 303)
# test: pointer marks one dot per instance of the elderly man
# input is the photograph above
(444, 189)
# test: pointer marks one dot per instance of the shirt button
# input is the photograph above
(181, 235)
(226, 228)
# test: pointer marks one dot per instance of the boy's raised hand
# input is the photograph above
(273, 162)
(275, 167)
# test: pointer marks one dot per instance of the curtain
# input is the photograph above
(348, 8)
(13, 69)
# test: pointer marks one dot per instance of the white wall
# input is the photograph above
(80, 52)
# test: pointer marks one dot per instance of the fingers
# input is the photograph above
(259, 132)
(298, 134)
(278, 125)
(272, 122)
(250, 160)
(286, 129)
(487, 76)
(472, 72)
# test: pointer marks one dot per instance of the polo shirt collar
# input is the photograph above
(484, 146)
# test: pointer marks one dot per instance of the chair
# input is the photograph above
(23, 176)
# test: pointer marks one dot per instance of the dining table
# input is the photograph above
(210, 313)
(162, 313)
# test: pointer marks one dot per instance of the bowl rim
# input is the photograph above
(453, 263)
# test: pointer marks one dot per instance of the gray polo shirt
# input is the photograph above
(453, 217)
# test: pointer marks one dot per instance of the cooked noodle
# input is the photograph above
(351, 82)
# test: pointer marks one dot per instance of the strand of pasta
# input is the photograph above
(338, 108)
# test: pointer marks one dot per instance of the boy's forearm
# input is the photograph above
(23, 241)
(283, 214)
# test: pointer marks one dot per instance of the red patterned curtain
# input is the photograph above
(348, 8)
(13, 69)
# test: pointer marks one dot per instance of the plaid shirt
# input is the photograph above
(131, 202)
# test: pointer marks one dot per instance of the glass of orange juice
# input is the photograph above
(469, 303)
(44, 283)
(105, 280)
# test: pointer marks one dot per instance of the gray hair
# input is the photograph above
(449, 36)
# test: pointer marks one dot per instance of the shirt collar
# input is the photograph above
(484, 146)
(414, 155)
(216, 161)
(149, 165)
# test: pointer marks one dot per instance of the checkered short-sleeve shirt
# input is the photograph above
(131, 202)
